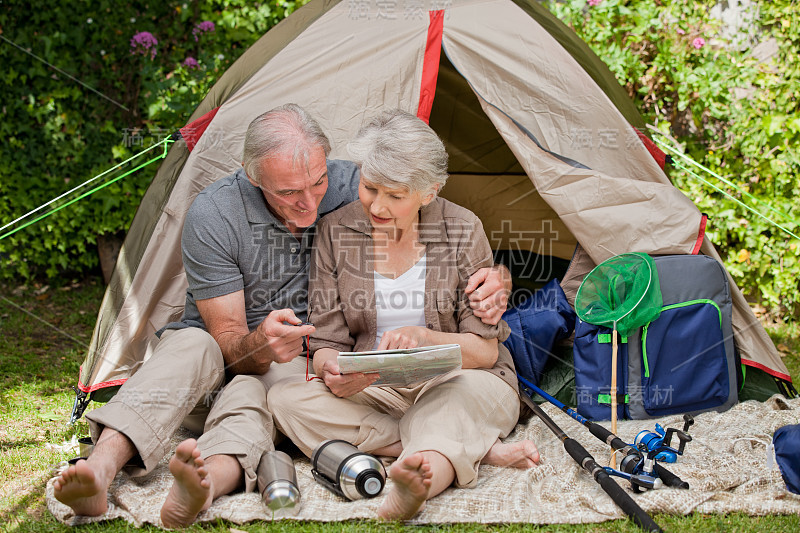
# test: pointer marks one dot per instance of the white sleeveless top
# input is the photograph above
(400, 301)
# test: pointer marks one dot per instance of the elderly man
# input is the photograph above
(246, 248)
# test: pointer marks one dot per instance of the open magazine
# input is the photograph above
(401, 368)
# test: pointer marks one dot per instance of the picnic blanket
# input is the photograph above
(725, 466)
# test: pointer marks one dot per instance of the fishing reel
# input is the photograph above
(657, 445)
(634, 468)
(638, 465)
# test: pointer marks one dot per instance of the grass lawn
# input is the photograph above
(44, 333)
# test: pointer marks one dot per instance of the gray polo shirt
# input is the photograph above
(232, 242)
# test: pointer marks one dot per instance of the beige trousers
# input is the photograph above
(183, 382)
(459, 415)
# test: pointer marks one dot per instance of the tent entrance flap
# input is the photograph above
(486, 176)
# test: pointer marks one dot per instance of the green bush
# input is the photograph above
(728, 110)
(59, 132)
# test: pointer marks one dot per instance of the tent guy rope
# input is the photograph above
(73, 78)
(678, 157)
(166, 142)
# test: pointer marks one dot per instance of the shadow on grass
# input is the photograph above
(44, 335)
(24, 443)
(30, 508)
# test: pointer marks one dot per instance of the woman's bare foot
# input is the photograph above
(412, 481)
(191, 492)
(83, 491)
(521, 454)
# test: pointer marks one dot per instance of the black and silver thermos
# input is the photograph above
(344, 470)
(277, 482)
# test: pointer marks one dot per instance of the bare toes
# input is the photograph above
(81, 490)
(412, 477)
(191, 491)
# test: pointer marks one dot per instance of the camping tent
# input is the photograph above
(541, 137)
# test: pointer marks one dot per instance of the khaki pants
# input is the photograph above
(184, 383)
(459, 415)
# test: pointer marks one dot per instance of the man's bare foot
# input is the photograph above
(412, 482)
(191, 492)
(79, 488)
(521, 454)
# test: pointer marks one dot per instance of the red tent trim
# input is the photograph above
(192, 132)
(774, 373)
(655, 151)
(700, 234)
(430, 65)
(98, 386)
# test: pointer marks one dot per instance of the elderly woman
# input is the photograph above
(389, 271)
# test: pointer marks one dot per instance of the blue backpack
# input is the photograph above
(682, 362)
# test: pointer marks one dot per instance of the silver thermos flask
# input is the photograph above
(277, 482)
(344, 470)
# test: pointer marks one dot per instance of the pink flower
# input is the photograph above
(190, 62)
(594, 2)
(699, 43)
(203, 27)
(144, 43)
(680, 31)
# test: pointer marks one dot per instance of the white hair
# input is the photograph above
(285, 129)
(398, 149)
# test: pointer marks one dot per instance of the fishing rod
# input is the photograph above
(598, 473)
(634, 463)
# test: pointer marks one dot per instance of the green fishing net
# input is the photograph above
(621, 292)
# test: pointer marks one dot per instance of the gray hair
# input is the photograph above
(285, 129)
(398, 149)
